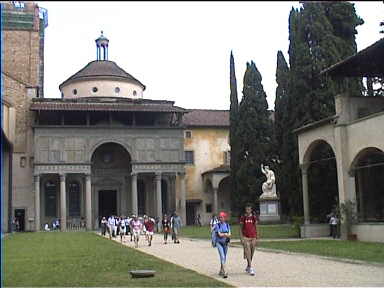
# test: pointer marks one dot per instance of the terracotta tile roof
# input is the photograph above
(221, 169)
(206, 118)
(104, 104)
(97, 69)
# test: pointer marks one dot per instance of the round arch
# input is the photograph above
(322, 180)
(224, 194)
(311, 147)
(368, 169)
(106, 141)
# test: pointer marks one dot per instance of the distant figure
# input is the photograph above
(104, 223)
(213, 221)
(333, 221)
(46, 227)
(137, 228)
(198, 220)
(166, 224)
(269, 186)
(149, 224)
(176, 226)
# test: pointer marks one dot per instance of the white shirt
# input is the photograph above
(333, 220)
(111, 221)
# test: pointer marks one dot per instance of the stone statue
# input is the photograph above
(269, 186)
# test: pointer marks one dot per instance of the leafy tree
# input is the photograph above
(255, 136)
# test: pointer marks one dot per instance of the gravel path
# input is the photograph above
(272, 269)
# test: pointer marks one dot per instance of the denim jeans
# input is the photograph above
(223, 250)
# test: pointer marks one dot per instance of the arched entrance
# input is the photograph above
(111, 169)
(369, 171)
(322, 181)
(224, 196)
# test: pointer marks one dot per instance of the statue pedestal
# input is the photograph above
(269, 210)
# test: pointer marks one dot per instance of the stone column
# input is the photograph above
(63, 203)
(88, 202)
(183, 198)
(159, 201)
(215, 201)
(304, 178)
(37, 202)
(134, 193)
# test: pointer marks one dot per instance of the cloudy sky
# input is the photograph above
(179, 50)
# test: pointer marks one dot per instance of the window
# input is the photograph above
(227, 157)
(94, 89)
(74, 199)
(134, 92)
(189, 157)
(117, 90)
(50, 199)
(74, 91)
(23, 160)
(31, 160)
(208, 208)
(188, 134)
(62, 95)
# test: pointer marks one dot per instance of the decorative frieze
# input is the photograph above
(61, 169)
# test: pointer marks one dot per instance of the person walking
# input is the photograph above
(165, 223)
(176, 226)
(104, 223)
(149, 224)
(122, 229)
(222, 235)
(136, 228)
(248, 236)
(111, 224)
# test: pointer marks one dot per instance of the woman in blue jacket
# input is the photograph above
(222, 235)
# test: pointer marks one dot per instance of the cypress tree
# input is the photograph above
(255, 136)
(233, 137)
(319, 35)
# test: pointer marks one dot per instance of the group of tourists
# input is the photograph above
(221, 235)
(136, 226)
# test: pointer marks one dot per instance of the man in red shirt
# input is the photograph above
(149, 225)
(248, 236)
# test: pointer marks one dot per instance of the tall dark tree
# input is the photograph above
(321, 34)
(255, 135)
(282, 80)
(233, 136)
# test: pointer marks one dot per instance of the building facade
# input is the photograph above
(207, 153)
(23, 25)
(102, 148)
(354, 140)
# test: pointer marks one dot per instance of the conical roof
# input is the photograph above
(101, 69)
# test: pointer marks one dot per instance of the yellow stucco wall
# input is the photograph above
(209, 145)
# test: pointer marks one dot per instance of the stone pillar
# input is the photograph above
(159, 201)
(37, 202)
(88, 202)
(63, 204)
(134, 193)
(215, 201)
(183, 193)
(304, 179)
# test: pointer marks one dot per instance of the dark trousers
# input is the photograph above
(334, 231)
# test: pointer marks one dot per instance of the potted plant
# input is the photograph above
(347, 214)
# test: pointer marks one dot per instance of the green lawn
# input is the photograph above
(265, 231)
(86, 259)
(356, 250)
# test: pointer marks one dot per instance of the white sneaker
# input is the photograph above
(252, 272)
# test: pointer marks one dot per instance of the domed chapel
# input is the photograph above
(112, 150)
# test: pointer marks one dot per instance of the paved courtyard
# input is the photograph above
(272, 269)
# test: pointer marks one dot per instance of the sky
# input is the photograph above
(180, 50)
